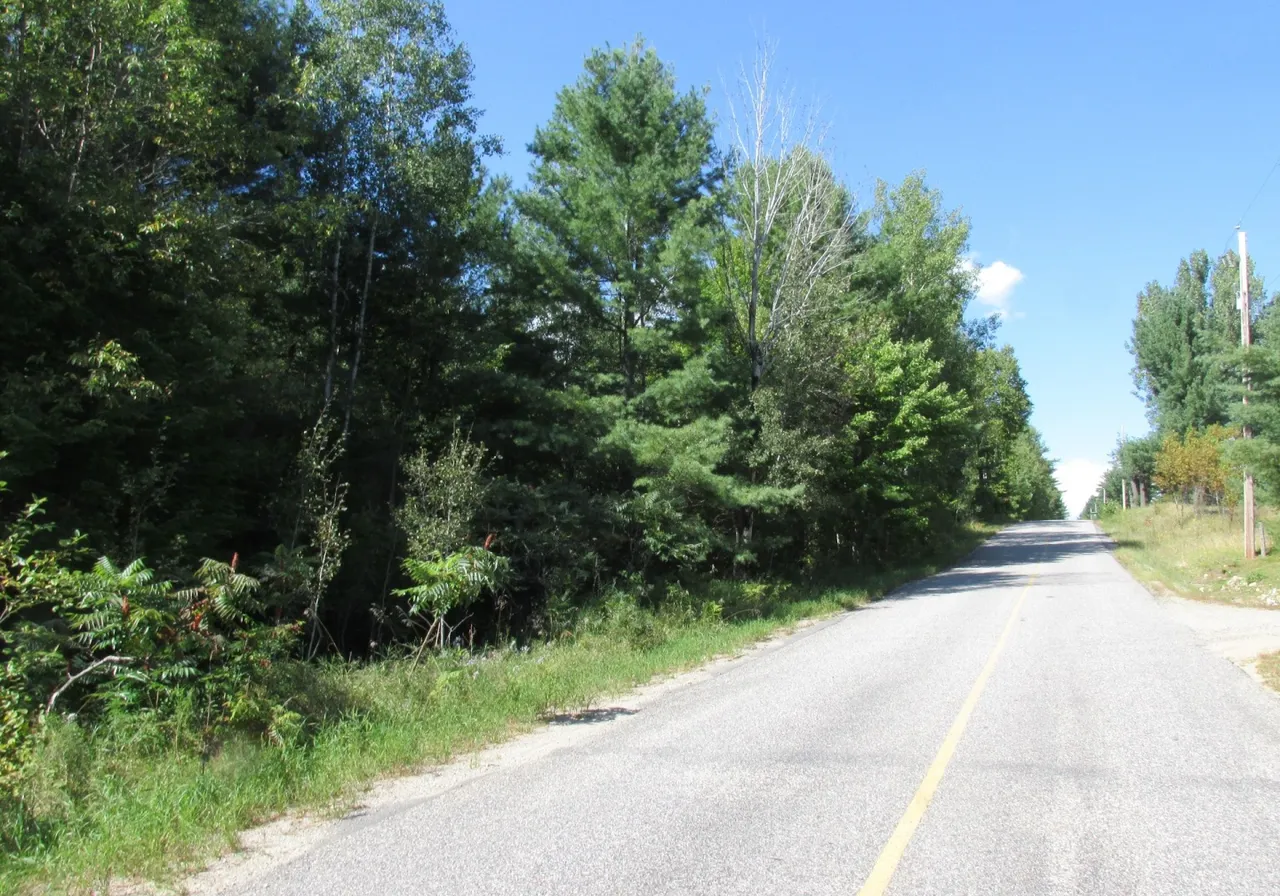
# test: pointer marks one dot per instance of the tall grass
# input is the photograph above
(1196, 555)
(120, 801)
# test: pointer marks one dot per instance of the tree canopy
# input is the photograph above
(264, 304)
(1190, 371)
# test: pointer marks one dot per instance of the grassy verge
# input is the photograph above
(1269, 669)
(1199, 557)
(117, 802)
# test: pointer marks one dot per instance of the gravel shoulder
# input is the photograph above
(1241, 634)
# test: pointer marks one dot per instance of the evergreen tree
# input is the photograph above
(252, 263)
(1180, 338)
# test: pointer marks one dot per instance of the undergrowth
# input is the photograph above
(122, 799)
(1196, 555)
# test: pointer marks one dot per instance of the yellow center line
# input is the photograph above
(878, 881)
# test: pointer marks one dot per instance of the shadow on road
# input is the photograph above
(590, 716)
(1004, 561)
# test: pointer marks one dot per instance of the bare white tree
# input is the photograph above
(790, 222)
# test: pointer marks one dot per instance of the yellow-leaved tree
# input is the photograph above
(1193, 467)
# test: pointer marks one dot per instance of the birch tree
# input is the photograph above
(790, 223)
(390, 83)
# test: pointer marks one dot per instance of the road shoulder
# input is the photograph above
(271, 846)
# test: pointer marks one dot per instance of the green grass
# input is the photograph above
(1196, 556)
(113, 803)
(1269, 669)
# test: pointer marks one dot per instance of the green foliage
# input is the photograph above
(111, 371)
(1259, 454)
(1002, 409)
(1135, 461)
(33, 581)
(259, 285)
(301, 570)
(617, 212)
(193, 658)
(442, 499)
(1182, 337)
(894, 449)
(101, 802)
(118, 642)
(1188, 368)
(1032, 491)
(254, 261)
(914, 273)
(448, 581)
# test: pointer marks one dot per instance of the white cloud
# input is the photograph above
(1078, 478)
(996, 283)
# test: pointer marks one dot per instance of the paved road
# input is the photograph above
(1075, 738)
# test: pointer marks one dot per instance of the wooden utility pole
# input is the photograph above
(1245, 339)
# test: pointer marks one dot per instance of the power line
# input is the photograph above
(1265, 181)
(1248, 208)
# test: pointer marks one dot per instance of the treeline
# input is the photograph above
(270, 325)
(1190, 368)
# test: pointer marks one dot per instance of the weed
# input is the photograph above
(124, 799)
(1199, 556)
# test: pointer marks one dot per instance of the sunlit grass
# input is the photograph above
(1269, 669)
(1200, 556)
(112, 803)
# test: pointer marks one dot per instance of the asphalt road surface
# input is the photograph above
(1029, 722)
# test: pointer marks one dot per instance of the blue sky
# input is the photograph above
(1092, 145)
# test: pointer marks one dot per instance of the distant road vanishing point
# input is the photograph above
(1031, 722)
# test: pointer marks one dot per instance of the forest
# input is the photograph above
(287, 376)
(1190, 370)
